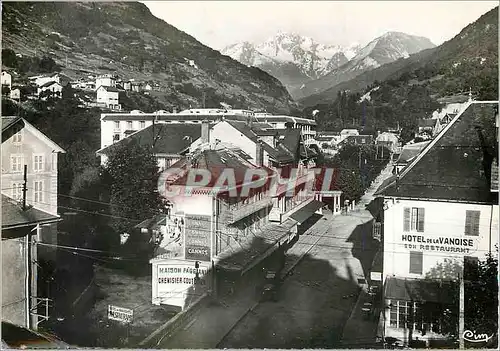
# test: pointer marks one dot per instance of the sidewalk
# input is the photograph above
(362, 326)
(210, 324)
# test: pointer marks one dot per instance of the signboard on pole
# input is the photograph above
(174, 281)
(376, 276)
(120, 314)
(198, 238)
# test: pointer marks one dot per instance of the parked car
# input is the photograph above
(15, 336)
(271, 287)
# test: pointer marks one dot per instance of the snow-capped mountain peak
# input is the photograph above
(297, 60)
(312, 58)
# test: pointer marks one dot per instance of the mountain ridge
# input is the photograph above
(384, 49)
(401, 93)
(451, 52)
(305, 66)
(126, 39)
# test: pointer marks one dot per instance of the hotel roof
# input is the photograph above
(456, 165)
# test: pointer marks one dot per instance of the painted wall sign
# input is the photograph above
(198, 238)
(440, 244)
(174, 281)
(171, 238)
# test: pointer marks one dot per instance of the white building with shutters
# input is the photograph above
(443, 205)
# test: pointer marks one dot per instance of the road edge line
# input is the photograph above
(243, 315)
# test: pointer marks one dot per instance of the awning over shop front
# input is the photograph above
(256, 248)
(419, 290)
(307, 211)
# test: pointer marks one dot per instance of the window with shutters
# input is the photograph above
(38, 191)
(38, 163)
(17, 138)
(416, 262)
(17, 191)
(472, 223)
(413, 219)
(16, 163)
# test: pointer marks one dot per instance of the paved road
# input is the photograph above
(319, 295)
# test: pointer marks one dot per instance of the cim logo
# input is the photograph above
(196, 179)
(471, 336)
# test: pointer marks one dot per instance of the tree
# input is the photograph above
(9, 58)
(133, 173)
(481, 299)
(481, 296)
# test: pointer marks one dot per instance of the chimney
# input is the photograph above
(259, 154)
(205, 131)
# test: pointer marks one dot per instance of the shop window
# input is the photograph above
(413, 219)
(472, 223)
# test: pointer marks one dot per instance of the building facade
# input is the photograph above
(53, 87)
(442, 206)
(307, 126)
(24, 145)
(6, 79)
(106, 80)
(109, 96)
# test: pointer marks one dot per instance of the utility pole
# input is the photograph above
(25, 186)
(461, 312)
(359, 160)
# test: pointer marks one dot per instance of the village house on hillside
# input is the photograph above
(106, 80)
(6, 79)
(109, 97)
(53, 87)
(357, 140)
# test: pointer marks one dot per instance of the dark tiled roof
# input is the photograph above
(8, 122)
(427, 123)
(292, 139)
(216, 161)
(411, 150)
(110, 89)
(456, 165)
(49, 84)
(244, 129)
(13, 215)
(279, 153)
(240, 255)
(170, 138)
(419, 290)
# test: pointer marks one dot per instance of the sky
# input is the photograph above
(221, 23)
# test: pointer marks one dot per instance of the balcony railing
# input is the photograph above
(245, 210)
